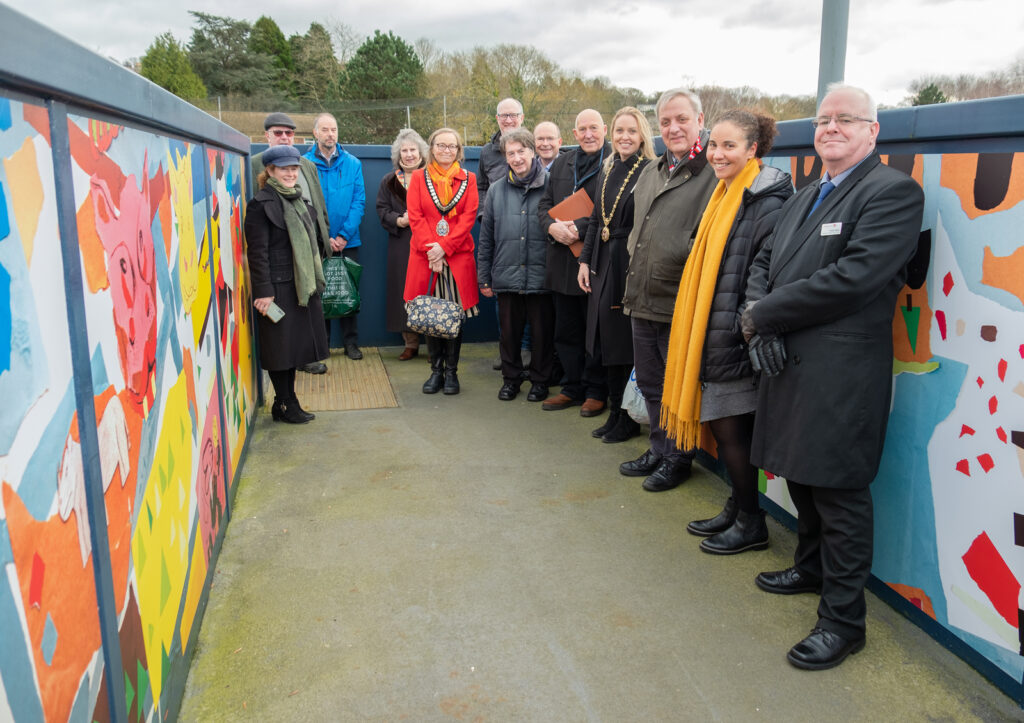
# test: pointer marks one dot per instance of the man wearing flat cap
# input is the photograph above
(280, 130)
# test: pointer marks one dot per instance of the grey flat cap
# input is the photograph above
(278, 119)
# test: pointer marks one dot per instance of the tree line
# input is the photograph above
(378, 84)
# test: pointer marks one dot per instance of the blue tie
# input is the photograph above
(826, 188)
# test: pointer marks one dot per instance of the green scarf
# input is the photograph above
(309, 273)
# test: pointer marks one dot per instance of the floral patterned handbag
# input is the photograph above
(433, 316)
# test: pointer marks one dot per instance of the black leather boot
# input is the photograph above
(435, 347)
(609, 424)
(748, 532)
(289, 411)
(452, 347)
(719, 523)
(625, 428)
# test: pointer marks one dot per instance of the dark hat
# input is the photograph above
(278, 119)
(281, 156)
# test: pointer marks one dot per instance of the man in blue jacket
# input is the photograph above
(341, 178)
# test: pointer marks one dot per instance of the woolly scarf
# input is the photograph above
(531, 175)
(680, 401)
(309, 273)
(444, 183)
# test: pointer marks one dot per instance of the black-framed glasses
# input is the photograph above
(843, 120)
(447, 147)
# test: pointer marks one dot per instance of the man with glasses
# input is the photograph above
(341, 178)
(549, 143)
(280, 131)
(492, 161)
(818, 320)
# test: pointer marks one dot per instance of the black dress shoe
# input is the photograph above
(508, 391)
(823, 649)
(352, 352)
(671, 473)
(538, 392)
(314, 368)
(787, 582)
(719, 523)
(641, 466)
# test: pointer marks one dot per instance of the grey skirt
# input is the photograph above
(728, 399)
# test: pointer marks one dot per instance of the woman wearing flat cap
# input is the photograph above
(282, 245)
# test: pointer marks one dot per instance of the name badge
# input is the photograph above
(831, 229)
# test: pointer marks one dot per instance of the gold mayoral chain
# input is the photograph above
(444, 208)
(605, 233)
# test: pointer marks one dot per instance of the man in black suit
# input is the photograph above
(819, 315)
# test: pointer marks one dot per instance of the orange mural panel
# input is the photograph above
(1004, 272)
(984, 182)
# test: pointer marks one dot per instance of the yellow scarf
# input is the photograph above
(680, 401)
(443, 183)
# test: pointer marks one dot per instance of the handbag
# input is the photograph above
(341, 293)
(433, 316)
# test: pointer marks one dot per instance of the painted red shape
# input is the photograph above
(769, 475)
(964, 466)
(993, 405)
(988, 569)
(940, 319)
(35, 585)
(964, 429)
(1001, 433)
(986, 462)
(1002, 370)
(947, 283)
(981, 382)
(1020, 350)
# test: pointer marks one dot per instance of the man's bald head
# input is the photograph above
(548, 139)
(590, 130)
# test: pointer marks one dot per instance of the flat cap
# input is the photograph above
(281, 156)
(278, 119)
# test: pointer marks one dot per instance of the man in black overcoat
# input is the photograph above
(821, 297)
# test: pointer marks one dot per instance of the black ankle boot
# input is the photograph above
(302, 412)
(625, 428)
(719, 523)
(435, 348)
(748, 532)
(290, 412)
(609, 424)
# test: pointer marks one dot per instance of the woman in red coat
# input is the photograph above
(442, 201)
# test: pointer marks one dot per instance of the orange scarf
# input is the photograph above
(680, 400)
(444, 183)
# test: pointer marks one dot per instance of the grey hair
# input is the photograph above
(407, 135)
(506, 100)
(872, 106)
(316, 121)
(518, 135)
(675, 93)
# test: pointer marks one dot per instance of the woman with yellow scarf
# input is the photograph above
(708, 377)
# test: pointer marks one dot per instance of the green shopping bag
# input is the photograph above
(341, 295)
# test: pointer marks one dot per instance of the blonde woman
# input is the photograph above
(604, 260)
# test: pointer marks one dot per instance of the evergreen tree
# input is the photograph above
(166, 64)
(316, 69)
(220, 54)
(266, 37)
(384, 67)
(929, 95)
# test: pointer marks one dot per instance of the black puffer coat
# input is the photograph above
(725, 354)
(492, 166)
(512, 250)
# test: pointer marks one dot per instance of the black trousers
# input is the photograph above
(584, 376)
(650, 351)
(514, 310)
(835, 544)
(349, 327)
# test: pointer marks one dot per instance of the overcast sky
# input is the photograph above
(648, 44)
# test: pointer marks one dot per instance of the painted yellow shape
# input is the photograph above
(986, 614)
(159, 557)
(180, 174)
(26, 194)
(902, 367)
(1019, 389)
(196, 580)
(203, 293)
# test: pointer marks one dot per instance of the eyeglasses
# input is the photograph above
(287, 132)
(843, 120)
(508, 116)
(447, 147)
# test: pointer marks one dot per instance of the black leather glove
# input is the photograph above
(767, 355)
(747, 323)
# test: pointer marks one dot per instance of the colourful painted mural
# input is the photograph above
(949, 497)
(173, 382)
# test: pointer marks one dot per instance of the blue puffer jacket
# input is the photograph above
(342, 182)
(512, 251)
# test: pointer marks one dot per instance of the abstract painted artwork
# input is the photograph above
(172, 378)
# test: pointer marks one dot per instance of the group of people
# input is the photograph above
(764, 313)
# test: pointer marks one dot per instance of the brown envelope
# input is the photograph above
(578, 205)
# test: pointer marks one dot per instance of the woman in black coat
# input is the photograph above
(284, 266)
(604, 261)
(408, 153)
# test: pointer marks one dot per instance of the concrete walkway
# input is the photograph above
(462, 558)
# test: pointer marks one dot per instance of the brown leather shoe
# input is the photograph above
(408, 353)
(591, 408)
(560, 401)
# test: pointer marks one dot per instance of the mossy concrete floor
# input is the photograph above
(463, 558)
